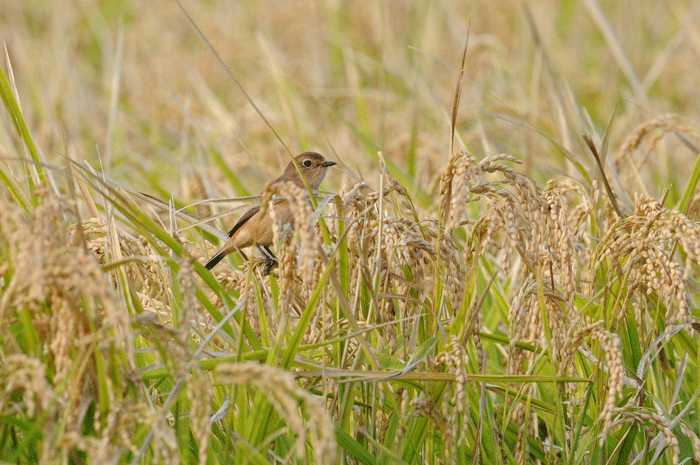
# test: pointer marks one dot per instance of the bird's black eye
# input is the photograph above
(307, 163)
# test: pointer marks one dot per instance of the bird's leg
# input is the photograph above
(270, 259)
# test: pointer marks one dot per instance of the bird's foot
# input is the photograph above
(270, 263)
(270, 259)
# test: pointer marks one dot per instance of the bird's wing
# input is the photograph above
(242, 220)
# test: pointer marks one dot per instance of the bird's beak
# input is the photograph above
(326, 164)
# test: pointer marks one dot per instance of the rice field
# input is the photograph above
(502, 267)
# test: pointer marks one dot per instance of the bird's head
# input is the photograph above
(311, 165)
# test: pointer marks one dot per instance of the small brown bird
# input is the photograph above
(256, 229)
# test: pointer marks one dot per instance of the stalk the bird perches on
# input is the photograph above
(256, 228)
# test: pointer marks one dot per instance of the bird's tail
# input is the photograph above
(215, 260)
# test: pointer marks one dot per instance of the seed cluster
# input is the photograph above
(288, 398)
